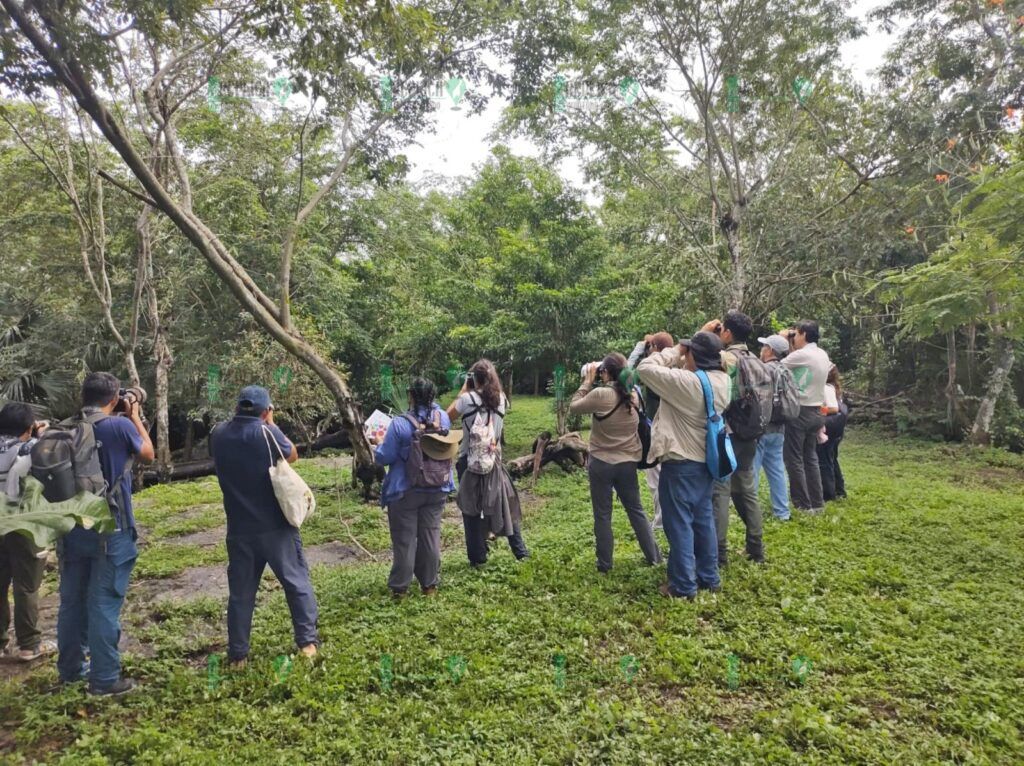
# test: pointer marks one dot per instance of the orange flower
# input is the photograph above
(909, 229)
(942, 177)
(950, 143)
(1010, 112)
(996, 3)
(1020, 21)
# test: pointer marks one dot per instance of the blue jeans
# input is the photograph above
(248, 556)
(686, 512)
(94, 572)
(769, 455)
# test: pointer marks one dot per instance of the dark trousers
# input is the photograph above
(832, 482)
(800, 453)
(94, 573)
(248, 556)
(477, 530)
(20, 566)
(414, 520)
(741, 487)
(620, 477)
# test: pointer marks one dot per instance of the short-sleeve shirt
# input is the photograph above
(469, 406)
(242, 456)
(119, 441)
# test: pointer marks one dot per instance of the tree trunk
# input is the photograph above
(69, 73)
(952, 400)
(730, 226)
(569, 451)
(1003, 357)
(536, 381)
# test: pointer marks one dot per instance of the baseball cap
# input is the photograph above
(255, 398)
(776, 343)
(706, 349)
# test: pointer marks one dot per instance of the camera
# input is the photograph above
(598, 369)
(126, 397)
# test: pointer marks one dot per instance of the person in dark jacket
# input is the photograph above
(243, 449)
(414, 513)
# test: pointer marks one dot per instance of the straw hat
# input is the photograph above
(441, 446)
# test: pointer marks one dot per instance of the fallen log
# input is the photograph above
(568, 451)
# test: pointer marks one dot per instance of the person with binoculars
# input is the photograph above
(95, 568)
(615, 451)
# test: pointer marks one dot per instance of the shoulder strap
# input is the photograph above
(270, 452)
(709, 396)
(611, 411)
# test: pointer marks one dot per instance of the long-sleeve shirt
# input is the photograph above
(810, 366)
(613, 439)
(394, 452)
(651, 400)
(680, 427)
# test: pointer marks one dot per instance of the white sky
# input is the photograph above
(459, 142)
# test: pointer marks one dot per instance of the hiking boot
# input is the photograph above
(116, 689)
(431, 591)
(308, 651)
(41, 649)
(669, 592)
(815, 511)
(398, 595)
(237, 666)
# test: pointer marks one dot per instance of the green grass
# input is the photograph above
(906, 599)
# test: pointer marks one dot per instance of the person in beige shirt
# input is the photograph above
(678, 436)
(615, 451)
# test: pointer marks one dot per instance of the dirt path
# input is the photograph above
(145, 596)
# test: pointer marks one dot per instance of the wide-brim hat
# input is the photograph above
(441, 446)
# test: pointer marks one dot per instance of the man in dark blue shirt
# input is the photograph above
(95, 568)
(243, 449)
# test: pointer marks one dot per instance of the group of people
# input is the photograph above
(785, 414)
(795, 429)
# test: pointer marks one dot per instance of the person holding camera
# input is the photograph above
(652, 343)
(678, 438)
(243, 450)
(482, 405)
(95, 568)
(615, 450)
(21, 563)
(809, 365)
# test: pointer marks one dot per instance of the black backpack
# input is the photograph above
(66, 461)
(424, 471)
(750, 412)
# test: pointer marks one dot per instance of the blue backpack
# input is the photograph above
(721, 460)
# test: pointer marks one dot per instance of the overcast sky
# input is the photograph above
(460, 141)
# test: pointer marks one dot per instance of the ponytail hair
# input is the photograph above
(487, 383)
(836, 381)
(615, 364)
(423, 393)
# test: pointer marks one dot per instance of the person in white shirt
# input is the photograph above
(809, 365)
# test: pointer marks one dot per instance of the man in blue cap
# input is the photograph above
(243, 449)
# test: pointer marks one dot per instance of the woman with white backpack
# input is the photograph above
(487, 497)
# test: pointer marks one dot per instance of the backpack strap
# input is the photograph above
(709, 397)
(610, 412)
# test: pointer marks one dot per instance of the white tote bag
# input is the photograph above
(293, 494)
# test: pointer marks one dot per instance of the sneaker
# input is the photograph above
(815, 511)
(667, 590)
(398, 595)
(237, 666)
(308, 651)
(41, 649)
(431, 591)
(711, 589)
(116, 689)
